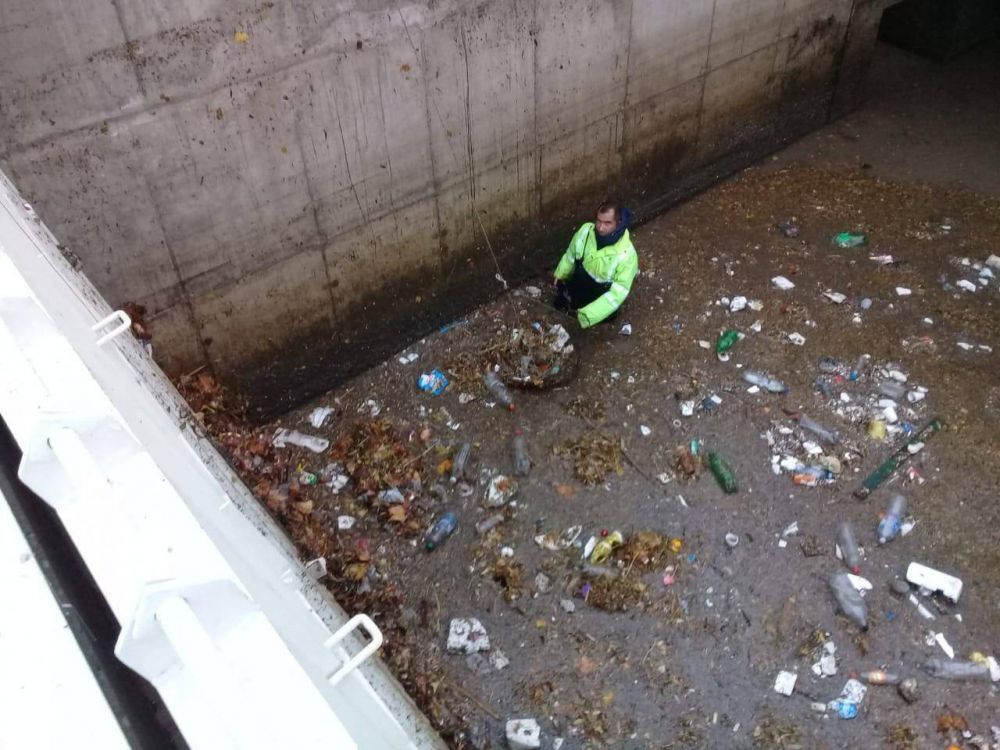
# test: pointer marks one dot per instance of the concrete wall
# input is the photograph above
(294, 188)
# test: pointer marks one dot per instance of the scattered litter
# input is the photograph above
(346, 523)
(498, 659)
(560, 541)
(409, 358)
(626, 330)
(318, 415)
(283, 437)
(567, 605)
(934, 580)
(523, 734)
(797, 338)
(466, 635)
(646, 431)
(370, 407)
(434, 382)
(902, 291)
(732, 540)
(316, 568)
(500, 490)
(465, 398)
(784, 683)
(966, 285)
(836, 297)
(850, 699)
(782, 283)
(739, 303)
(847, 240)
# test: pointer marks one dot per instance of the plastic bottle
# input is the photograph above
(460, 463)
(830, 437)
(859, 367)
(848, 544)
(948, 669)
(489, 523)
(498, 390)
(880, 677)
(522, 461)
(602, 550)
(726, 341)
(850, 239)
(440, 531)
(849, 599)
(889, 525)
(722, 473)
(892, 389)
(765, 382)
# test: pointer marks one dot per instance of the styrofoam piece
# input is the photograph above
(934, 580)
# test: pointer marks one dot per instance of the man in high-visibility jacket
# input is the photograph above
(596, 272)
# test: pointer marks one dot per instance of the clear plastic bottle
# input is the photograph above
(849, 599)
(460, 463)
(765, 382)
(949, 669)
(892, 389)
(890, 524)
(859, 367)
(848, 544)
(440, 531)
(498, 390)
(830, 437)
(519, 451)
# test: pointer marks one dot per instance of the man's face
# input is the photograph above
(606, 223)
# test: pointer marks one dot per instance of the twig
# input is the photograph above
(482, 706)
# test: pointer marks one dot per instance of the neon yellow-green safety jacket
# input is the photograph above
(616, 264)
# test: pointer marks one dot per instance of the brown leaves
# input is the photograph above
(397, 513)
(375, 456)
(595, 455)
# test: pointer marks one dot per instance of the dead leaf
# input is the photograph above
(444, 467)
(397, 513)
(565, 490)
(586, 666)
(356, 571)
(305, 507)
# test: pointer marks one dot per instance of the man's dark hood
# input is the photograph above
(623, 223)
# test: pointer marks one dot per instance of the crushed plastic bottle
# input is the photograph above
(892, 389)
(440, 531)
(848, 544)
(522, 461)
(498, 390)
(949, 669)
(460, 463)
(604, 548)
(850, 239)
(830, 437)
(722, 473)
(726, 341)
(767, 383)
(849, 599)
(891, 523)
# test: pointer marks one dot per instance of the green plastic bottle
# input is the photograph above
(722, 473)
(850, 239)
(726, 341)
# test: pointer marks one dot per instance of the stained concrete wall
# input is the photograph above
(295, 188)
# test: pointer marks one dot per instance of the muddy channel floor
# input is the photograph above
(689, 664)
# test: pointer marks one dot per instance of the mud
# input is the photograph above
(692, 663)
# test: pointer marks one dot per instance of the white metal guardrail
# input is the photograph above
(217, 612)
